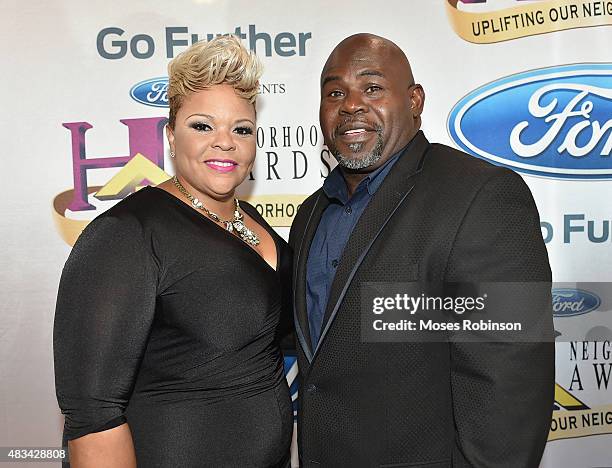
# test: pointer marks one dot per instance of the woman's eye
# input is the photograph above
(244, 131)
(201, 126)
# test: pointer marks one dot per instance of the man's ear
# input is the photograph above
(417, 100)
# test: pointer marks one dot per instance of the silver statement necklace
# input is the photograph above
(236, 224)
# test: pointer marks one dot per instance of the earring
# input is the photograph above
(172, 155)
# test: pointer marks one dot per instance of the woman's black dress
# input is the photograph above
(170, 323)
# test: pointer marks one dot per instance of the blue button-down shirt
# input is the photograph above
(337, 223)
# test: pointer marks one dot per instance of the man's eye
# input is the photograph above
(201, 127)
(336, 94)
(244, 131)
(373, 89)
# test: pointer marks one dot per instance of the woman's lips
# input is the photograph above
(221, 165)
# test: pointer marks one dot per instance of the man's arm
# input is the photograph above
(502, 392)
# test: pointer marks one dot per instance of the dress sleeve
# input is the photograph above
(104, 311)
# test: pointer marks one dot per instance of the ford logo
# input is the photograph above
(552, 122)
(567, 302)
(153, 92)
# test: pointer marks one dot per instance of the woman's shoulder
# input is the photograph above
(145, 206)
(141, 202)
(131, 216)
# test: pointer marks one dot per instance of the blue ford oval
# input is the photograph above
(568, 302)
(152, 92)
(552, 122)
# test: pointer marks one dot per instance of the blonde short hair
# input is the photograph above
(222, 60)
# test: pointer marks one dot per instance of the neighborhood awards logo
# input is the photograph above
(488, 21)
(552, 122)
(582, 404)
(143, 166)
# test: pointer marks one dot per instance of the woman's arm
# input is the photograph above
(105, 309)
(106, 449)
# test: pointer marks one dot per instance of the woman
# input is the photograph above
(167, 322)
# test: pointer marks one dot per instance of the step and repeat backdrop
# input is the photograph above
(525, 84)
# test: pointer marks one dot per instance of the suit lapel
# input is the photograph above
(299, 283)
(389, 196)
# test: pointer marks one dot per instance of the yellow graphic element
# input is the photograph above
(580, 420)
(567, 400)
(126, 181)
(278, 210)
(130, 176)
(581, 423)
(528, 20)
(69, 229)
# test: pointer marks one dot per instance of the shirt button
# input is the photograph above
(348, 210)
(334, 263)
(311, 388)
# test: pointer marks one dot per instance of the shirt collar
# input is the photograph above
(335, 185)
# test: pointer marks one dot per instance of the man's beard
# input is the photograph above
(362, 162)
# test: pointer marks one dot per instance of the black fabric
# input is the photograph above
(167, 321)
(439, 216)
(333, 231)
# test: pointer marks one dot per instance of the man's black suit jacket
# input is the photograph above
(440, 215)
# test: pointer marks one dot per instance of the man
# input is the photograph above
(399, 209)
